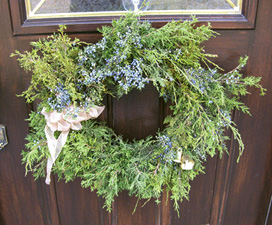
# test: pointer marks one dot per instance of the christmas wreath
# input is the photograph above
(70, 79)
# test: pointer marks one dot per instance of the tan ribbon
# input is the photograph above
(186, 163)
(63, 122)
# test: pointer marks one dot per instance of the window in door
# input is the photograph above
(68, 8)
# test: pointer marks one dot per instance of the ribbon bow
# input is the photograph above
(63, 122)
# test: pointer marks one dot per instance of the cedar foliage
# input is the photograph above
(130, 55)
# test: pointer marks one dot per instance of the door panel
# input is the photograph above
(251, 185)
(229, 193)
(78, 205)
(21, 199)
(142, 215)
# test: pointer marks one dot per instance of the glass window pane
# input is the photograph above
(49, 8)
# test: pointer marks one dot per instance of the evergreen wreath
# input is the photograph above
(72, 77)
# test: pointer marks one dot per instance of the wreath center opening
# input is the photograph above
(137, 114)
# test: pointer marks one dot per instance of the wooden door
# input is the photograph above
(228, 194)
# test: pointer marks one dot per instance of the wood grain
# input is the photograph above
(21, 199)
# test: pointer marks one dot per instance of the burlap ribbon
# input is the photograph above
(63, 122)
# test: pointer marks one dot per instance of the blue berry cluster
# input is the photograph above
(61, 100)
(74, 113)
(232, 79)
(130, 76)
(129, 38)
(88, 57)
(118, 67)
(201, 78)
(166, 97)
(178, 53)
(226, 120)
(201, 153)
(168, 155)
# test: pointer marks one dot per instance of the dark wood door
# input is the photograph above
(229, 193)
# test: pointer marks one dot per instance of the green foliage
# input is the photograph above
(54, 65)
(130, 55)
